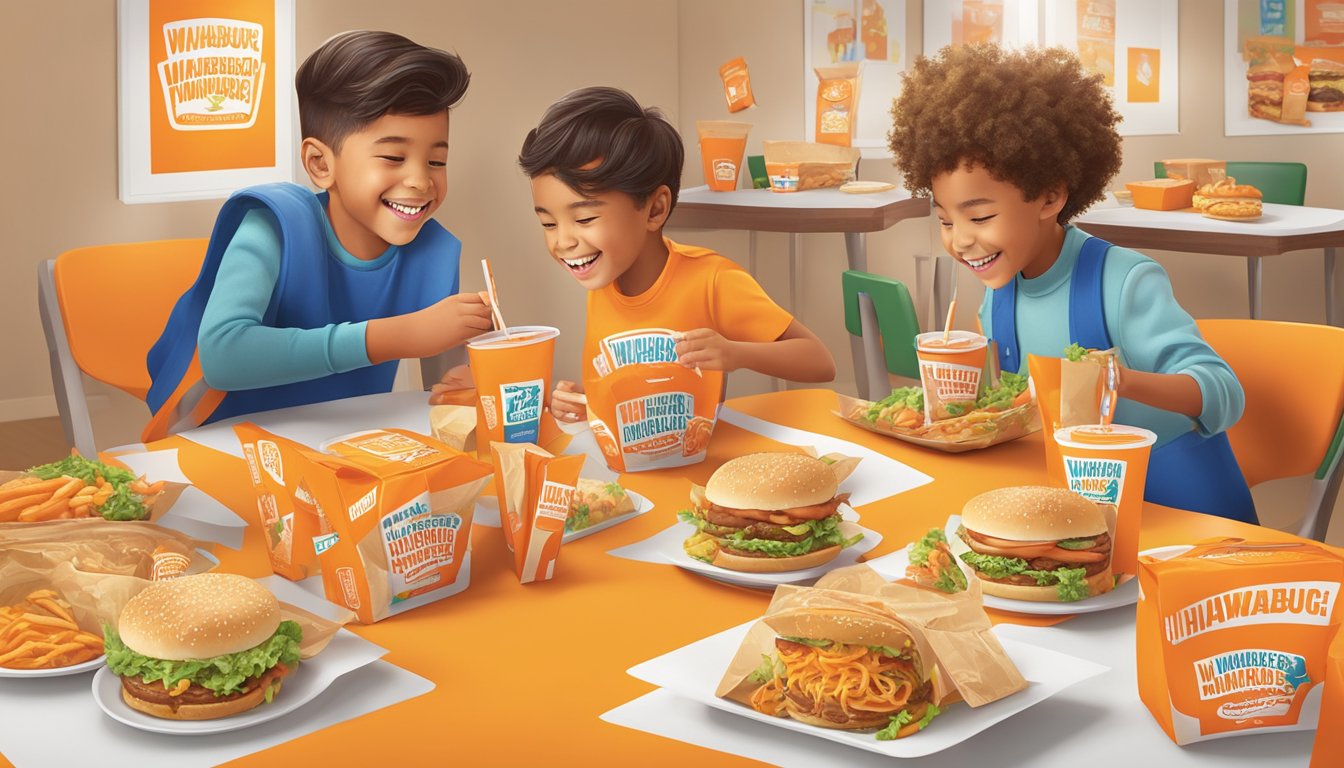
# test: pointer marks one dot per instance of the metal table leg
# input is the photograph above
(856, 249)
(1253, 285)
(1330, 286)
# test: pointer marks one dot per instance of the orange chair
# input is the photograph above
(102, 308)
(1293, 375)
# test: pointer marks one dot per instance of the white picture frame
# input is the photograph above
(136, 181)
(881, 78)
(1236, 118)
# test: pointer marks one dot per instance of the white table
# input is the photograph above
(1282, 228)
(813, 210)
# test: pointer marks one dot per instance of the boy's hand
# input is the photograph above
(568, 404)
(455, 380)
(705, 348)
(459, 317)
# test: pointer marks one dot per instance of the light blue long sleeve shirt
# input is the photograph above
(237, 350)
(1147, 326)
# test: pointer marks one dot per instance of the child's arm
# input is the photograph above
(797, 355)
(237, 349)
(1168, 391)
(428, 332)
(1168, 364)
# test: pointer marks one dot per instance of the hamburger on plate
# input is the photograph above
(201, 647)
(1037, 543)
(768, 512)
(845, 669)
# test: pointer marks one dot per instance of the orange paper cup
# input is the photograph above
(1109, 465)
(513, 378)
(950, 370)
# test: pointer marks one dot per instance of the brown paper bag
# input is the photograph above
(95, 565)
(951, 634)
(1080, 385)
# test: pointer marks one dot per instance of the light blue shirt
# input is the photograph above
(1147, 326)
(238, 351)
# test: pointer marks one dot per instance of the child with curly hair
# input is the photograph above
(1013, 145)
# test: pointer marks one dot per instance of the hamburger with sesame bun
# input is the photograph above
(1037, 543)
(201, 647)
(768, 512)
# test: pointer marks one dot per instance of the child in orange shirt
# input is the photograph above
(605, 174)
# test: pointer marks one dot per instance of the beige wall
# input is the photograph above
(61, 162)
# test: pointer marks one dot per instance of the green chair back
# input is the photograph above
(897, 320)
(1283, 183)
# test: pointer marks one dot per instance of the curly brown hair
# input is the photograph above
(1033, 118)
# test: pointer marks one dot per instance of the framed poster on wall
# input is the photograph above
(1283, 67)
(204, 94)
(868, 32)
(1132, 44)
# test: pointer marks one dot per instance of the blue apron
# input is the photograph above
(1192, 472)
(312, 290)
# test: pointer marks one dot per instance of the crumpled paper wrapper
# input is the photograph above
(951, 633)
(99, 565)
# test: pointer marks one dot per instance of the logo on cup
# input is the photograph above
(1100, 480)
(725, 170)
(521, 403)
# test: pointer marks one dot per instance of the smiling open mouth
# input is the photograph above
(980, 265)
(582, 264)
(405, 211)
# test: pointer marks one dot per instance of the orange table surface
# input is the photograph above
(523, 671)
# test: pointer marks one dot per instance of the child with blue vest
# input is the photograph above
(605, 173)
(1013, 146)
(309, 297)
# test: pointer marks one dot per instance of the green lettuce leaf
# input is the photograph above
(898, 721)
(224, 675)
(919, 553)
(909, 397)
(950, 580)
(82, 468)
(693, 517)
(578, 518)
(764, 673)
(1001, 396)
(824, 533)
(808, 641)
(1072, 584)
(1074, 353)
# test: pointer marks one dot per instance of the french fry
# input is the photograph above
(29, 489)
(41, 633)
(20, 481)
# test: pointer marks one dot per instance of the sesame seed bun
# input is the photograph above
(765, 564)
(198, 617)
(1033, 513)
(771, 481)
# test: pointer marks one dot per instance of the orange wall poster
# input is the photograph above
(206, 94)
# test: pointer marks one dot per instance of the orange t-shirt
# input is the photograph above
(697, 289)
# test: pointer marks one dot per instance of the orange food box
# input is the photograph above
(393, 509)
(1233, 637)
(1162, 194)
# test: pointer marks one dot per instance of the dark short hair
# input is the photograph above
(638, 148)
(1033, 118)
(357, 77)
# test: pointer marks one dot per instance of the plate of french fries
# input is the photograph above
(75, 488)
(1003, 413)
(39, 637)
